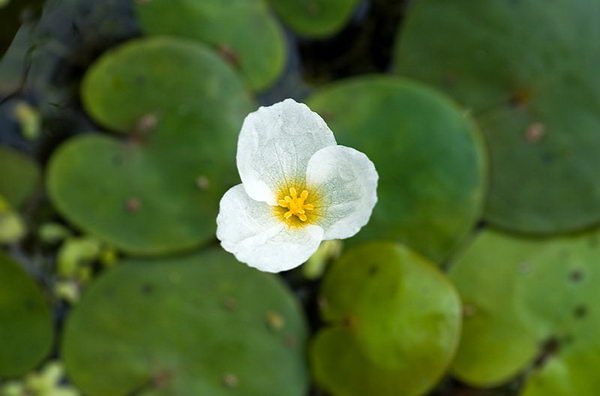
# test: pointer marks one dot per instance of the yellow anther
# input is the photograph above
(296, 204)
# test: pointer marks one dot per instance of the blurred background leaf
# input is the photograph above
(250, 41)
(394, 323)
(152, 191)
(201, 324)
(429, 156)
(529, 306)
(528, 72)
(26, 331)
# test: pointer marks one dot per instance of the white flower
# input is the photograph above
(299, 187)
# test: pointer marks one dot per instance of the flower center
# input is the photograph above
(295, 204)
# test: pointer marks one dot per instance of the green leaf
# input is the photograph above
(529, 305)
(157, 189)
(428, 155)
(243, 31)
(394, 323)
(26, 328)
(315, 18)
(196, 325)
(528, 70)
(20, 176)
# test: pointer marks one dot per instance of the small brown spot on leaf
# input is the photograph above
(230, 380)
(147, 123)
(519, 98)
(229, 303)
(142, 129)
(350, 321)
(147, 288)
(229, 55)
(274, 320)
(580, 311)
(290, 341)
(469, 310)
(133, 205)
(312, 8)
(576, 275)
(535, 132)
(202, 183)
(162, 378)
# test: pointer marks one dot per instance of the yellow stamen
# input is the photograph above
(295, 204)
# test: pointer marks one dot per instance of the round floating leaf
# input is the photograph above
(25, 322)
(243, 31)
(156, 190)
(529, 71)
(19, 176)
(195, 325)
(428, 155)
(394, 323)
(530, 304)
(315, 18)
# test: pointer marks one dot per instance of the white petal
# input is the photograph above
(347, 182)
(248, 229)
(275, 145)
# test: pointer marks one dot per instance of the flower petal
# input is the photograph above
(249, 229)
(347, 183)
(275, 145)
